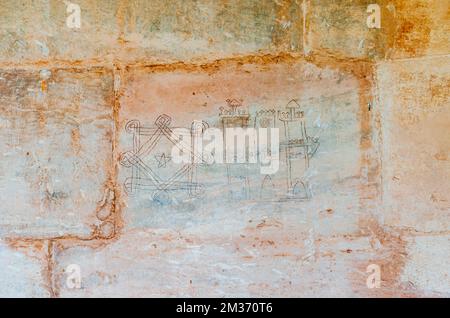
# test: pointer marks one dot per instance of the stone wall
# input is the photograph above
(87, 178)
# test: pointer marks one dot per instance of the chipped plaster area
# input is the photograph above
(88, 182)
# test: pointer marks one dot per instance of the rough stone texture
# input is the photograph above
(342, 28)
(416, 117)
(137, 29)
(376, 191)
(421, 28)
(425, 269)
(55, 139)
(185, 29)
(37, 31)
(23, 271)
(271, 260)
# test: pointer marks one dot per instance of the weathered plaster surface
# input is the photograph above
(53, 122)
(416, 112)
(376, 99)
